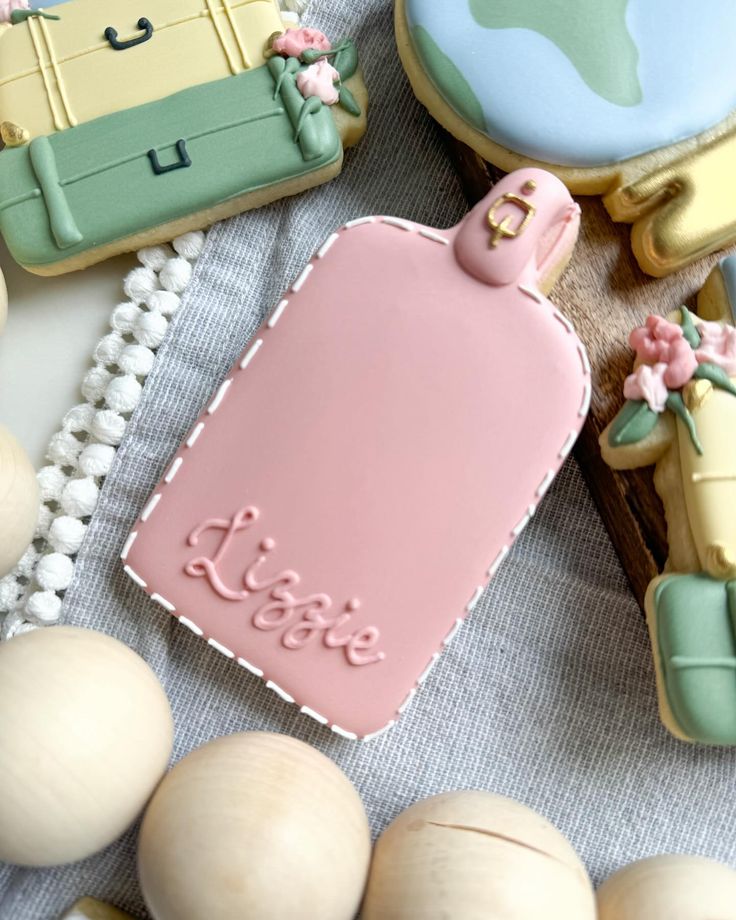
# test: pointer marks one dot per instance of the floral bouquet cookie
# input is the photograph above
(680, 414)
(121, 132)
(364, 469)
(632, 99)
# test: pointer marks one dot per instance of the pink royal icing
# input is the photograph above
(661, 342)
(319, 80)
(647, 383)
(717, 346)
(380, 444)
(8, 7)
(294, 42)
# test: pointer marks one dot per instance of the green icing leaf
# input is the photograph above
(632, 424)
(691, 334)
(676, 404)
(347, 101)
(596, 41)
(18, 16)
(454, 85)
(346, 59)
(717, 376)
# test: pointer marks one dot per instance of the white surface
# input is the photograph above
(53, 327)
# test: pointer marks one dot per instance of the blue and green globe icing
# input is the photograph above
(580, 82)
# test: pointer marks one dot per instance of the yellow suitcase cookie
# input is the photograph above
(99, 58)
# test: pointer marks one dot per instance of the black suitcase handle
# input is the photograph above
(112, 36)
(182, 163)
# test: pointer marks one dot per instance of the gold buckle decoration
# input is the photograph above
(504, 230)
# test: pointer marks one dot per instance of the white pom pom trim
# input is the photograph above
(82, 452)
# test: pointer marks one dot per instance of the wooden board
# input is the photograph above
(605, 295)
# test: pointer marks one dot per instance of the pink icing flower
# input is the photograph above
(319, 80)
(717, 346)
(295, 41)
(648, 383)
(7, 7)
(662, 342)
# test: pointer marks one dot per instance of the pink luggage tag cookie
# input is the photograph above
(337, 509)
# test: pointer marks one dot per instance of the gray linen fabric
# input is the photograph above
(546, 695)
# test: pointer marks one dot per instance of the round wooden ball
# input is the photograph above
(669, 888)
(471, 856)
(254, 825)
(85, 735)
(19, 501)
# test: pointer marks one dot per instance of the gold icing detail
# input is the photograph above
(13, 135)
(696, 393)
(683, 210)
(529, 186)
(186, 50)
(504, 229)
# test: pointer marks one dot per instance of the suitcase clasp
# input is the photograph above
(112, 36)
(182, 163)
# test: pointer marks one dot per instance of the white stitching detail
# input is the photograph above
(167, 605)
(358, 221)
(351, 736)
(453, 632)
(250, 354)
(135, 576)
(150, 507)
(567, 446)
(282, 693)
(175, 467)
(564, 320)
(497, 561)
(314, 715)
(192, 439)
(221, 648)
(584, 358)
(585, 404)
(428, 234)
(193, 626)
(327, 245)
(276, 315)
(474, 599)
(128, 544)
(219, 396)
(299, 283)
(250, 667)
(524, 521)
(545, 484)
(425, 673)
(409, 697)
(398, 222)
(530, 292)
(381, 731)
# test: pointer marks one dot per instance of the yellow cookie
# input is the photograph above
(601, 99)
(680, 414)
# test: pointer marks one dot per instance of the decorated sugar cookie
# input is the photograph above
(633, 100)
(680, 414)
(123, 131)
(359, 476)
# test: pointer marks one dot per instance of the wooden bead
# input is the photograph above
(85, 735)
(19, 501)
(474, 856)
(669, 888)
(254, 826)
(92, 909)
